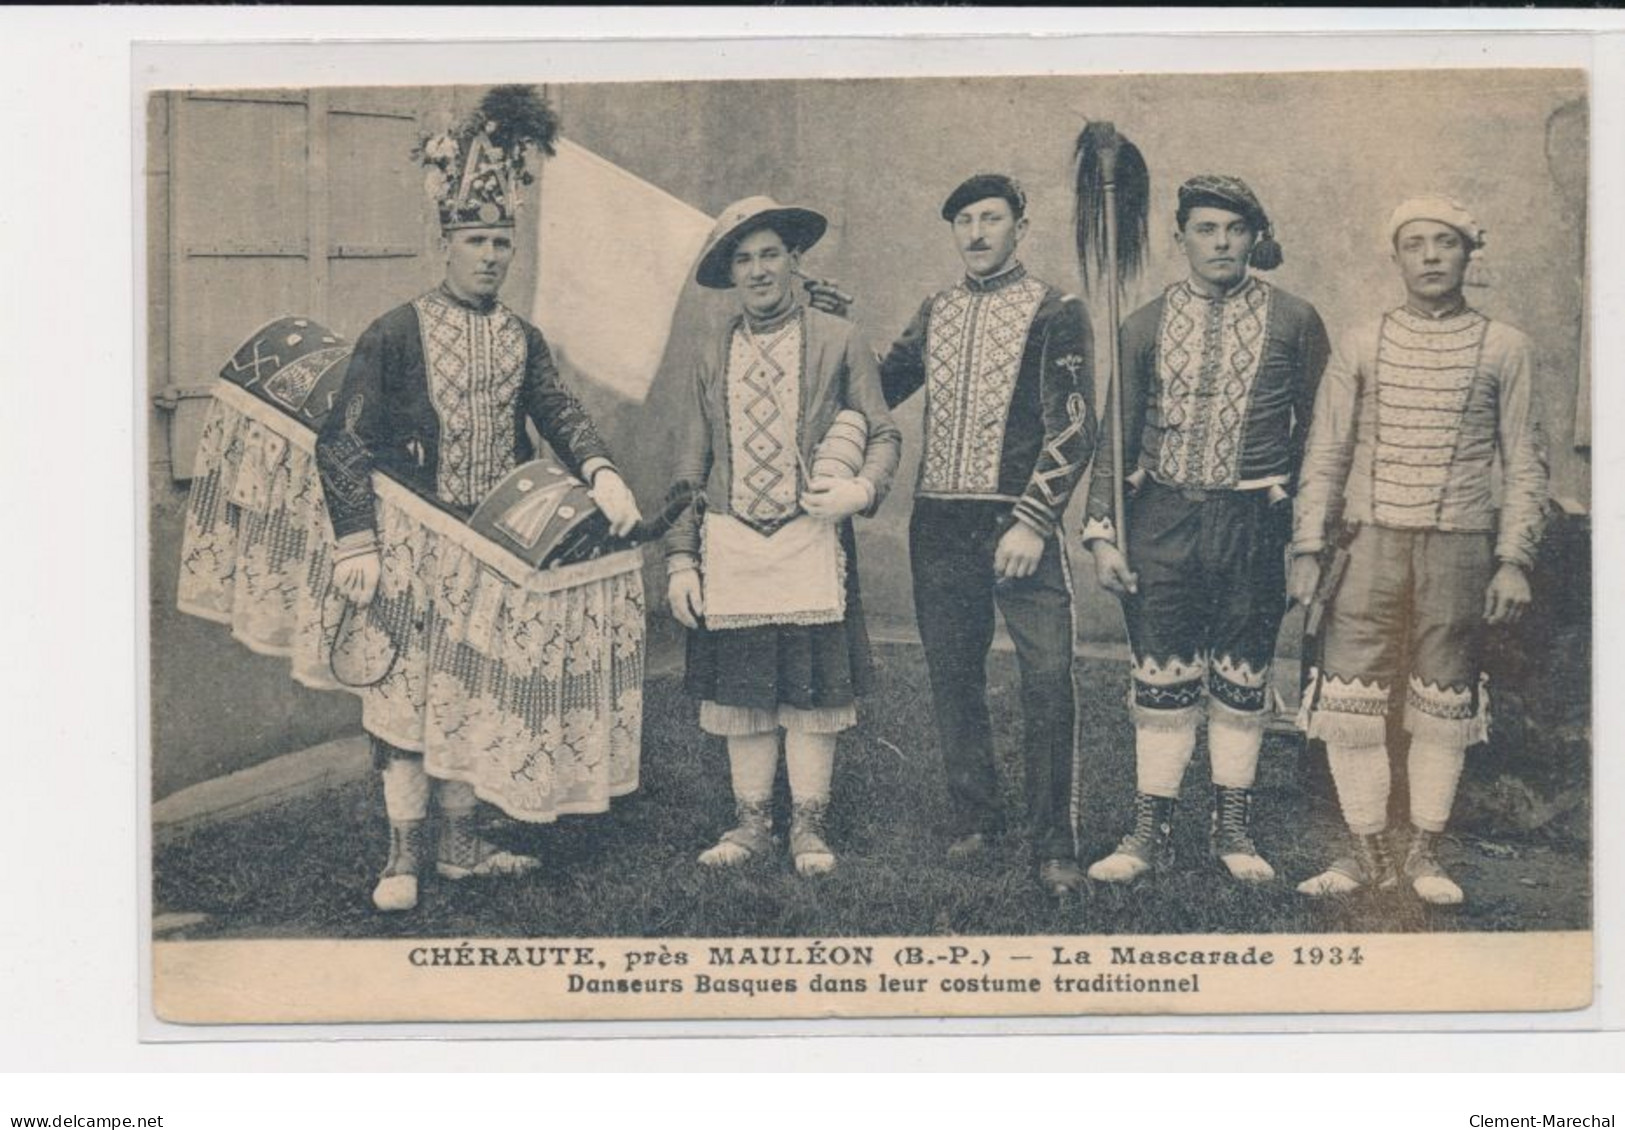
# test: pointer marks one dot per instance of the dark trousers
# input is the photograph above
(951, 546)
(1212, 591)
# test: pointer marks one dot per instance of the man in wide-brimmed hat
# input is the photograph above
(764, 574)
(1218, 375)
(436, 395)
(1006, 362)
(1421, 411)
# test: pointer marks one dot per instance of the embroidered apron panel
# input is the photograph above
(764, 408)
(973, 358)
(1425, 370)
(475, 363)
(795, 575)
(1208, 357)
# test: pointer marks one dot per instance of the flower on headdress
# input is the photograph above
(434, 183)
(442, 148)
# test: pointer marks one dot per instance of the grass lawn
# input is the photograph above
(306, 869)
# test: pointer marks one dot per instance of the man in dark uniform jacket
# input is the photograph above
(1006, 362)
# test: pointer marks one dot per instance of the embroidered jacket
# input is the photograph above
(436, 396)
(733, 442)
(1007, 364)
(1416, 420)
(1217, 393)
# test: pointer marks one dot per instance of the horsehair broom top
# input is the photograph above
(1105, 157)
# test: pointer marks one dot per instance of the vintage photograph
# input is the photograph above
(962, 545)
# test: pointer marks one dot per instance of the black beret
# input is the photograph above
(981, 187)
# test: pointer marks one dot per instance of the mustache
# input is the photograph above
(979, 245)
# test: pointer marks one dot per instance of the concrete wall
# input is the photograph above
(1329, 155)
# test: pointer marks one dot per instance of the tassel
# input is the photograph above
(1098, 143)
(1266, 254)
(1479, 273)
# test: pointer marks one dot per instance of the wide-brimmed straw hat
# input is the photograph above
(800, 227)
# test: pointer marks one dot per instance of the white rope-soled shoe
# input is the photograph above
(397, 888)
(464, 854)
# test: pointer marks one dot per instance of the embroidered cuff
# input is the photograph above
(681, 563)
(356, 544)
(1035, 517)
(1099, 529)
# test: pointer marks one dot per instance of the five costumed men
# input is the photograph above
(1397, 486)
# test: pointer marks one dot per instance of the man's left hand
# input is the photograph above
(1508, 597)
(834, 499)
(615, 500)
(1018, 553)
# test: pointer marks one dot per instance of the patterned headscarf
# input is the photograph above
(1216, 190)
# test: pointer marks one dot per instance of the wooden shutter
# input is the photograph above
(283, 202)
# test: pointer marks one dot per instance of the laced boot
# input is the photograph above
(1231, 838)
(464, 854)
(1149, 845)
(397, 888)
(1371, 866)
(807, 846)
(752, 838)
(1426, 876)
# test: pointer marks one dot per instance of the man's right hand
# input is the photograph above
(1111, 569)
(356, 578)
(687, 597)
(1303, 578)
(826, 295)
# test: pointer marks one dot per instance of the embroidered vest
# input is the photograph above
(764, 408)
(475, 363)
(974, 345)
(1425, 370)
(1208, 356)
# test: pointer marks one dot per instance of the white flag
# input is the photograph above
(614, 254)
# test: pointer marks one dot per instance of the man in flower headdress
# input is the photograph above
(1006, 363)
(437, 393)
(1420, 412)
(1219, 374)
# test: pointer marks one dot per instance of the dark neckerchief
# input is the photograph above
(761, 325)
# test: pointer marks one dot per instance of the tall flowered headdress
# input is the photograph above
(473, 172)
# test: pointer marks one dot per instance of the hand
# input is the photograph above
(356, 578)
(1018, 553)
(1508, 597)
(1303, 578)
(825, 295)
(610, 493)
(834, 499)
(687, 597)
(1111, 569)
